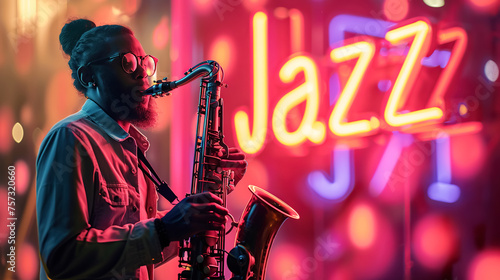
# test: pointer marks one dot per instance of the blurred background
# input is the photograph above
(334, 111)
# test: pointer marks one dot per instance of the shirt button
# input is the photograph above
(133, 170)
(116, 198)
(134, 209)
(150, 209)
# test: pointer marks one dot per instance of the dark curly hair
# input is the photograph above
(81, 38)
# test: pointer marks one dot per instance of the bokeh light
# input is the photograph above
(130, 7)
(204, 6)
(288, 261)
(222, 51)
(485, 266)
(462, 109)
(22, 176)
(377, 257)
(61, 94)
(485, 6)
(24, 56)
(106, 14)
(384, 85)
(26, 114)
(29, 266)
(362, 226)
(281, 12)
(468, 155)
(434, 241)
(18, 132)
(484, 3)
(253, 5)
(6, 123)
(434, 3)
(491, 70)
(161, 34)
(396, 10)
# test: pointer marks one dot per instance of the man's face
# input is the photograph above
(119, 92)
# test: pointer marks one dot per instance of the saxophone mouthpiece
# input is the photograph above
(162, 87)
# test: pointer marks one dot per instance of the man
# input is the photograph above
(96, 211)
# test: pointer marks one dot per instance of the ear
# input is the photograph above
(85, 76)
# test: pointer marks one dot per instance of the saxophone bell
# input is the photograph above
(259, 223)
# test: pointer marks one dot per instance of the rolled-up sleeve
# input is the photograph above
(67, 178)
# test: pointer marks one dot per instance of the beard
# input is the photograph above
(143, 116)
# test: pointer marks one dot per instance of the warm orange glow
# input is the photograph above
(296, 30)
(253, 5)
(253, 142)
(458, 35)
(434, 241)
(24, 57)
(23, 176)
(485, 266)
(433, 132)
(161, 34)
(222, 50)
(280, 13)
(287, 256)
(421, 31)
(6, 124)
(309, 128)
(130, 7)
(364, 51)
(462, 110)
(362, 227)
(26, 15)
(485, 3)
(29, 267)
(61, 94)
(203, 5)
(396, 10)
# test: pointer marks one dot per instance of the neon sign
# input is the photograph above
(252, 142)
(309, 127)
(364, 51)
(416, 33)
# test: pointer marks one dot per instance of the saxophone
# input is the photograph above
(202, 255)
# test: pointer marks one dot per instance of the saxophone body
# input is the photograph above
(202, 255)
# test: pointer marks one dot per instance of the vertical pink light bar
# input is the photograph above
(407, 230)
(183, 101)
(296, 30)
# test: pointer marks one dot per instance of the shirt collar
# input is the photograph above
(111, 127)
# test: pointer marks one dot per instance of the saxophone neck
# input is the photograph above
(210, 72)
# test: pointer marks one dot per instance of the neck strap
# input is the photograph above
(161, 186)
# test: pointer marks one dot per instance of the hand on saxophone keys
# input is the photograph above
(236, 161)
(194, 214)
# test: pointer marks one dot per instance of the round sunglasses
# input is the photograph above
(130, 61)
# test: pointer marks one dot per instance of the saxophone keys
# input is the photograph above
(210, 266)
(211, 237)
(200, 258)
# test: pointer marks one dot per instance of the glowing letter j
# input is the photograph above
(252, 142)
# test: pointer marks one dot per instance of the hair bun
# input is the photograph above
(71, 33)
